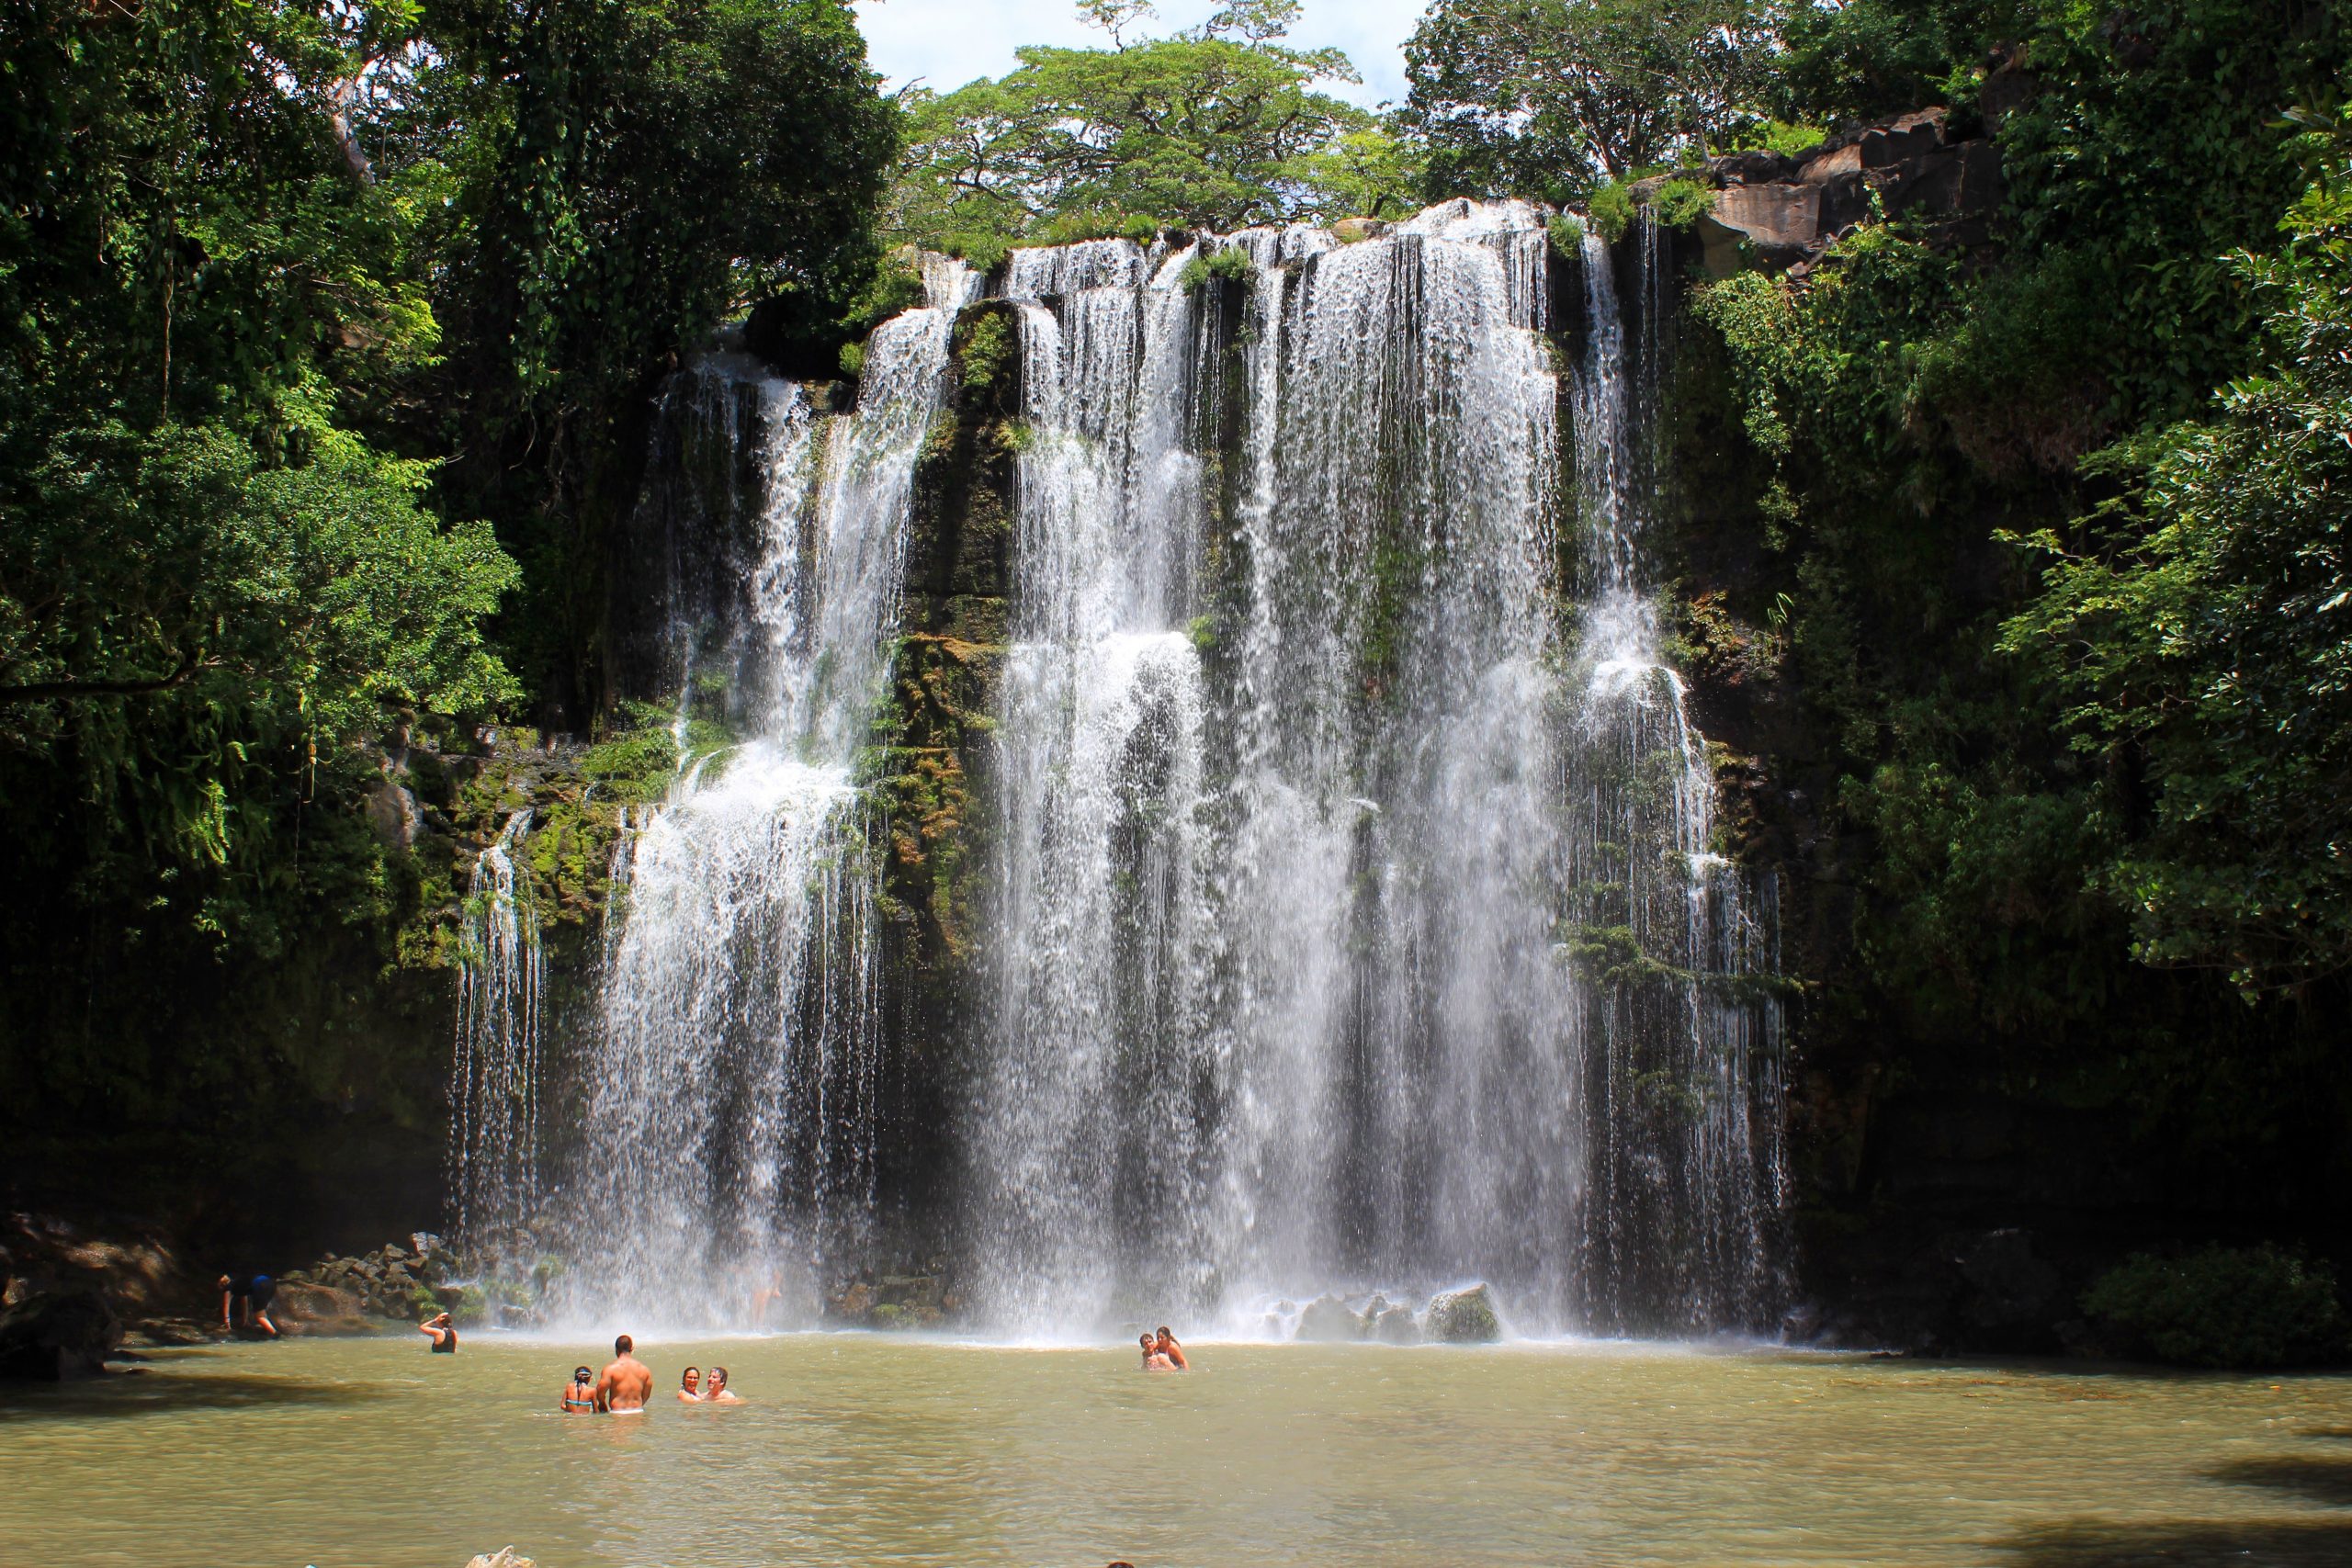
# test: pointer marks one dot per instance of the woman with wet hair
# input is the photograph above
(689, 1386)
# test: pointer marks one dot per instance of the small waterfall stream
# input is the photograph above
(494, 1077)
(731, 1105)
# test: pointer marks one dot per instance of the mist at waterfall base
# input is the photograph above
(1354, 926)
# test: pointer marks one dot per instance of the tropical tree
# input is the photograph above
(1547, 97)
(1218, 126)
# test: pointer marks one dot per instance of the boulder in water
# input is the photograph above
(1394, 1325)
(309, 1309)
(1464, 1318)
(1328, 1320)
(52, 1337)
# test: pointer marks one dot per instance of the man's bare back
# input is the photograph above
(626, 1384)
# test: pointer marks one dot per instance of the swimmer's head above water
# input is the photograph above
(623, 1345)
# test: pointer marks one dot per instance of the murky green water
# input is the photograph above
(866, 1449)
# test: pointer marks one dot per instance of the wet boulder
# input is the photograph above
(1464, 1318)
(54, 1337)
(305, 1309)
(1397, 1326)
(1328, 1320)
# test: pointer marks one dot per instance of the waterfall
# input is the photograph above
(1354, 921)
(494, 1077)
(1680, 1043)
(1401, 1116)
(730, 1134)
(1385, 946)
(1087, 1136)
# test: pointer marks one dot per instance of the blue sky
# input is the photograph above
(950, 42)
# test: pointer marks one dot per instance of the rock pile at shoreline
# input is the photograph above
(347, 1295)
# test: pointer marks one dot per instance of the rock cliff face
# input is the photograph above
(1783, 211)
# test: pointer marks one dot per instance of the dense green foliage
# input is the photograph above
(2201, 626)
(1218, 126)
(2047, 778)
(2224, 1307)
(325, 337)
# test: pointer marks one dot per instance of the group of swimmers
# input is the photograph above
(627, 1385)
(1162, 1354)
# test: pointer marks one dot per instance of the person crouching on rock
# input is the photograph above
(1166, 1345)
(718, 1392)
(690, 1386)
(579, 1396)
(442, 1332)
(1153, 1361)
(626, 1383)
(255, 1292)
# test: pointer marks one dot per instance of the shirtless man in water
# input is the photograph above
(626, 1384)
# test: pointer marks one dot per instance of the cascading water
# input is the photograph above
(729, 1131)
(495, 1077)
(1086, 1141)
(1681, 1037)
(1308, 975)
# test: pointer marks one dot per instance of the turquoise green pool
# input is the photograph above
(871, 1450)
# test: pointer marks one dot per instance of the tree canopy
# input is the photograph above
(1546, 98)
(1220, 125)
(327, 333)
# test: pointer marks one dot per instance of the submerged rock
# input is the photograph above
(54, 1337)
(1464, 1318)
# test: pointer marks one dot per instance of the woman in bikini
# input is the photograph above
(689, 1386)
(580, 1396)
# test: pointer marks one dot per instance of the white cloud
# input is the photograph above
(950, 42)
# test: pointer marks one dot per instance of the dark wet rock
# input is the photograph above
(1328, 1320)
(57, 1337)
(2007, 1285)
(922, 1292)
(1464, 1318)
